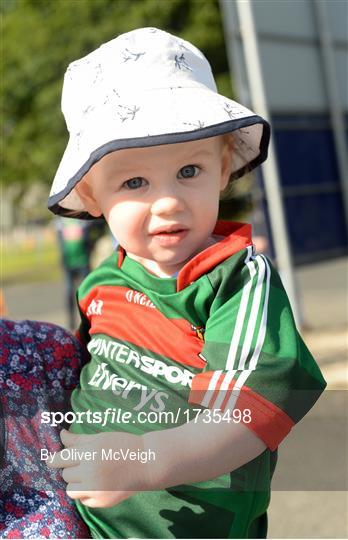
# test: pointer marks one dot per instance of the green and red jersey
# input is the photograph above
(219, 336)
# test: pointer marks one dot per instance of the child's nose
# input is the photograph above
(167, 204)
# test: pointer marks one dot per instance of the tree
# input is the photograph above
(40, 39)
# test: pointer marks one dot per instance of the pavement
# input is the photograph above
(309, 495)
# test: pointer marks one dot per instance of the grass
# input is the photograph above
(30, 263)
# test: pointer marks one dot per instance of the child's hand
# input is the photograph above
(93, 478)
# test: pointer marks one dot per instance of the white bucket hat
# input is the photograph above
(145, 88)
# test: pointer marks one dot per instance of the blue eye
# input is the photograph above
(134, 183)
(189, 171)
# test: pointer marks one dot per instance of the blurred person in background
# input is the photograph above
(75, 250)
(82, 244)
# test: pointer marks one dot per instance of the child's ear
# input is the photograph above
(85, 192)
(226, 164)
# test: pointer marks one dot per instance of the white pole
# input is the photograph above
(335, 106)
(270, 168)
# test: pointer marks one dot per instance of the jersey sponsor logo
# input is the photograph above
(95, 307)
(112, 350)
(105, 380)
(137, 297)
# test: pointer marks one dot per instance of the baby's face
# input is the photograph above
(161, 203)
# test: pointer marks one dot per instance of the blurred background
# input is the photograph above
(286, 60)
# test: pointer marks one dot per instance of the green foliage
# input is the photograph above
(40, 39)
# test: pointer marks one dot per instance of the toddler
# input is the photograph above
(197, 371)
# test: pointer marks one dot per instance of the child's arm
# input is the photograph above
(198, 451)
(190, 453)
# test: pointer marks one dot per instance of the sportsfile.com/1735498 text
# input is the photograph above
(118, 416)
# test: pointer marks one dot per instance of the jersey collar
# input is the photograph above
(237, 236)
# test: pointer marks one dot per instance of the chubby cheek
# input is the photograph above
(126, 222)
(207, 207)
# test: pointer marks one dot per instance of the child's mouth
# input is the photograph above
(169, 238)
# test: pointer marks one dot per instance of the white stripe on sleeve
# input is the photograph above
(260, 340)
(263, 325)
(223, 388)
(241, 311)
(255, 308)
(212, 384)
